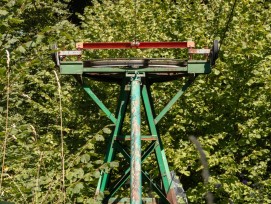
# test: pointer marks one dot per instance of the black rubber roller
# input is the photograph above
(214, 53)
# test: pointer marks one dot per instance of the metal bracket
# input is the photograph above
(198, 51)
(70, 53)
(135, 74)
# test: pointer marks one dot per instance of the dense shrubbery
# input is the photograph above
(228, 110)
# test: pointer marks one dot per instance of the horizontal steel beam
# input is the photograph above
(199, 51)
(143, 137)
(135, 45)
(127, 200)
(77, 67)
(132, 70)
(70, 53)
(133, 62)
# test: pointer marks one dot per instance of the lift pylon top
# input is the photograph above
(135, 77)
(113, 69)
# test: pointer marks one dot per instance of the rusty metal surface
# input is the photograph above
(152, 70)
(198, 51)
(171, 196)
(143, 137)
(70, 53)
(135, 178)
(133, 45)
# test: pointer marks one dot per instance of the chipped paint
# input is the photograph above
(136, 180)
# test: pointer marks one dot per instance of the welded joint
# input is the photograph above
(135, 164)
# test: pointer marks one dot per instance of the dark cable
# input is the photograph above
(205, 171)
(227, 24)
(135, 20)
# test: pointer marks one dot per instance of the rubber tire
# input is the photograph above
(214, 52)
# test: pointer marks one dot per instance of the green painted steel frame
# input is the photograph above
(166, 193)
(77, 67)
(135, 164)
(138, 89)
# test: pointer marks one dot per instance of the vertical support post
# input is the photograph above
(120, 112)
(159, 150)
(136, 180)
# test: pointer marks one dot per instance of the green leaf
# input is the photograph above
(97, 174)
(21, 49)
(2, 72)
(77, 188)
(114, 164)
(85, 158)
(3, 12)
(39, 38)
(99, 137)
(88, 177)
(106, 130)
(79, 173)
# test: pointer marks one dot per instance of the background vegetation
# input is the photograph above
(228, 110)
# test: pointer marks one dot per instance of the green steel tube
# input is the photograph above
(136, 180)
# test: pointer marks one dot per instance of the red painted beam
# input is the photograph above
(135, 45)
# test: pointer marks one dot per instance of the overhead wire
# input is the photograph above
(135, 20)
(227, 24)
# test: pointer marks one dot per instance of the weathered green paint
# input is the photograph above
(126, 175)
(143, 137)
(71, 67)
(173, 100)
(122, 151)
(98, 185)
(121, 108)
(77, 67)
(136, 90)
(159, 151)
(135, 137)
(199, 67)
(120, 182)
(148, 109)
(148, 151)
(136, 158)
(135, 164)
(156, 188)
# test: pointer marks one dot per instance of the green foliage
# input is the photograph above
(228, 110)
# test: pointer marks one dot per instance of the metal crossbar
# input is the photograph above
(135, 45)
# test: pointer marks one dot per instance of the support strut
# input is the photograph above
(135, 180)
(137, 89)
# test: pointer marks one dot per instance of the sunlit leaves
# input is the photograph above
(228, 110)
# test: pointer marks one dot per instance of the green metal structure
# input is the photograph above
(135, 77)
